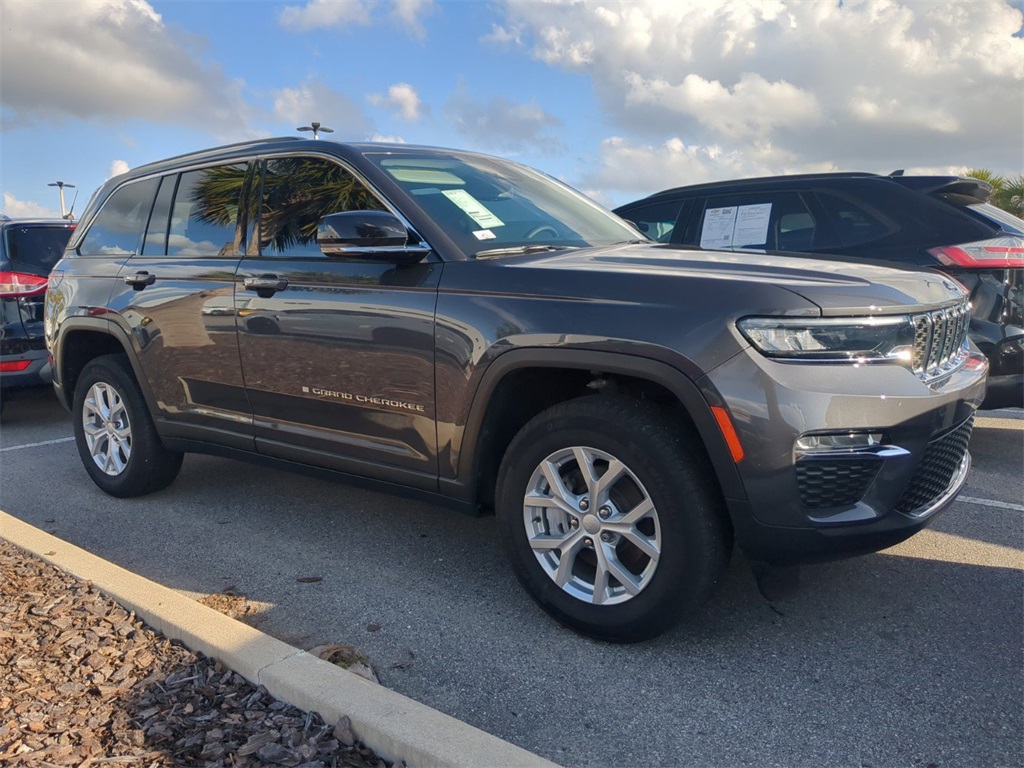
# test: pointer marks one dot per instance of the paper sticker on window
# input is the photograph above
(752, 225)
(736, 226)
(718, 226)
(484, 234)
(473, 208)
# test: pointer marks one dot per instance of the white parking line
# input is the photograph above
(36, 445)
(992, 503)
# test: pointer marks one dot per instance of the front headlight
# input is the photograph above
(844, 339)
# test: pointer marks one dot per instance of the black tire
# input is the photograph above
(137, 463)
(665, 467)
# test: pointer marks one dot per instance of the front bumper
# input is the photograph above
(796, 506)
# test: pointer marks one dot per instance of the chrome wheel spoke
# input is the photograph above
(544, 543)
(556, 485)
(608, 564)
(566, 562)
(637, 513)
(616, 469)
(641, 542)
(537, 499)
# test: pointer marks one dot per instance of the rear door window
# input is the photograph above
(118, 226)
(205, 216)
(37, 247)
(774, 221)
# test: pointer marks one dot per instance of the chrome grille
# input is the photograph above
(940, 340)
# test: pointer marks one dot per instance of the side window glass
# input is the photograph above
(854, 223)
(657, 220)
(774, 221)
(118, 226)
(155, 243)
(297, 193)
(205, 217)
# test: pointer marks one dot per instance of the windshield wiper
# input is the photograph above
(520, 250)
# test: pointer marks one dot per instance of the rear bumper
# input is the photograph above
(36, 374)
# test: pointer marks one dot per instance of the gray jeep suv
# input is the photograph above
(468, 330)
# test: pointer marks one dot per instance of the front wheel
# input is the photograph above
(610, 518)
(114, 432)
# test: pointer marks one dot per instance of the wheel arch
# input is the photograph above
(83, 339)
(579, 371)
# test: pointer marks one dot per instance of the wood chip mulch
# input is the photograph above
(83, 682)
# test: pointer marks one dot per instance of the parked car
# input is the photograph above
(28, 249)
(936, 222)
(470, 331)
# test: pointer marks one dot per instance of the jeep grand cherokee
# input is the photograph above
(469, 330)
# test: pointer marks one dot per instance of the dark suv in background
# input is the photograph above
(938, 222)
(471, 331)
(28, 250)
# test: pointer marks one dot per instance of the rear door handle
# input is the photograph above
(265, 285)
(140, 280)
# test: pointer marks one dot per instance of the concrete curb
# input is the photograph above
(393, 725)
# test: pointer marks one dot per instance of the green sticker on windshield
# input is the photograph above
(473, 208)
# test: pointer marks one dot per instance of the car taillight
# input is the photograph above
(17, 284)
(13, 366)
(999, 252)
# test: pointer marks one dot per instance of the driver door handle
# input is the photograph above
(140, 280)
(265, 285)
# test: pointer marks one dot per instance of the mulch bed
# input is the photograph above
(83, 682)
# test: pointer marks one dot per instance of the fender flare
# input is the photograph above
(108, 328)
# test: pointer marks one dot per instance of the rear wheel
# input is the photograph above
(114, 432)
(611, 519)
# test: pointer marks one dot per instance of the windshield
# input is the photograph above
(489, 205)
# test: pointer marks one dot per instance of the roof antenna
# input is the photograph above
(897, 173)
(71, 211)
(316, 128)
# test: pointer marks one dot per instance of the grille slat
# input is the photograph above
(939, 339)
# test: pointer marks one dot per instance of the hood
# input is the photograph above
(836, 286)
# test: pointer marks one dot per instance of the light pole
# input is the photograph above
(60, 185)
(316, 128)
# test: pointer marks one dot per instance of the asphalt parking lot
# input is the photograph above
(913, 656)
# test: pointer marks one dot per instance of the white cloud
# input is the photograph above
(117, 167)
(26, 209)
(862, 84)
(316, 101)
(502, 125)
(408, 13)
(326, 13)
(339, 14)
(108, 60)
(402, 98)
(387, 139)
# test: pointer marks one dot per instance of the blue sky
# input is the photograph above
(620, 99)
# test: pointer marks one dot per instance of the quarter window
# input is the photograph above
(297, 193)
(118, 226)
(855, 224)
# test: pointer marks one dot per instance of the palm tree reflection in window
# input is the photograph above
(297, 193)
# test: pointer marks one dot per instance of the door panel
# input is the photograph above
(337, 354)
(181, 307)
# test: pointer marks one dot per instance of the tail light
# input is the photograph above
(14, 366)
(999, 252)
(15, 285)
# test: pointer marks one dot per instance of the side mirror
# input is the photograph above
(378, 235)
